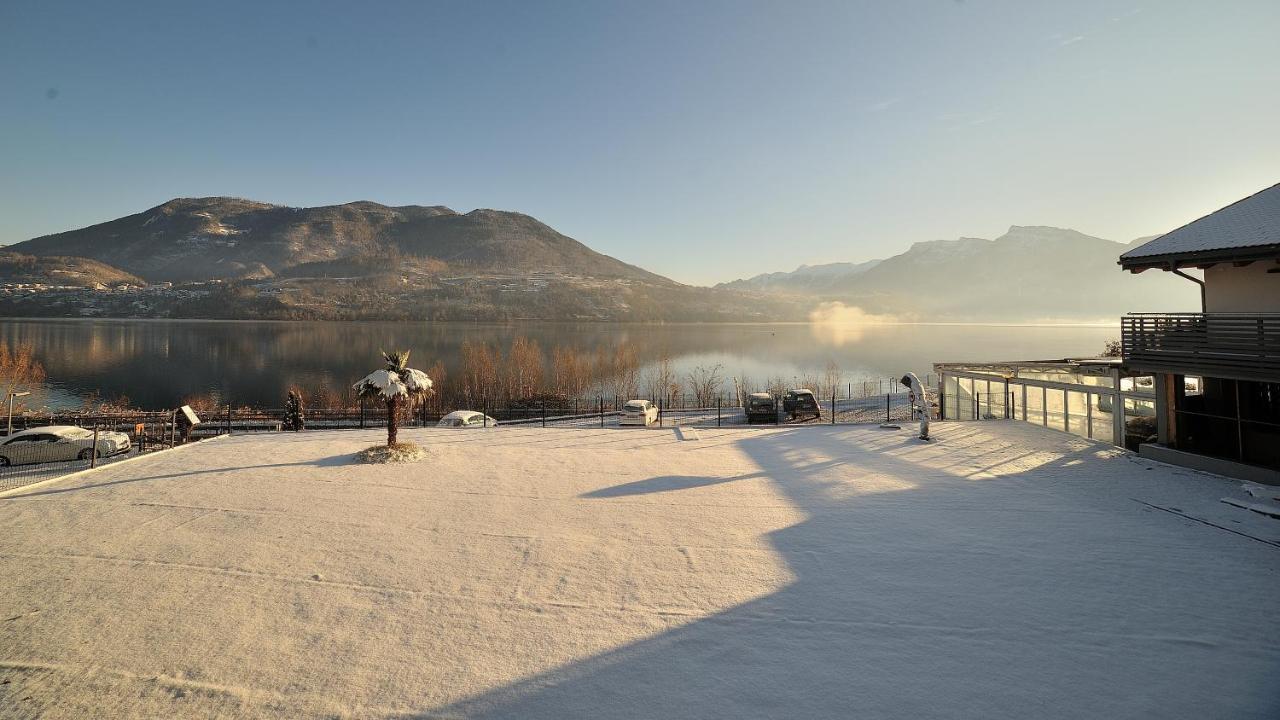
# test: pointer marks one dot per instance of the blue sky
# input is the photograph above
(701, 140)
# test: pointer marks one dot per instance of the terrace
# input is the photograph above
(1003, 571)
(1241, 346)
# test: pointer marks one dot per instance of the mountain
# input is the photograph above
(54, 270)
(234, 258)
(804, 279)
(1031, 273)
(193, 239)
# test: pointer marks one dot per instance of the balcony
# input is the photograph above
(1240, 346)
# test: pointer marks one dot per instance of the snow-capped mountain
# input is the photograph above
(806, 278)
(1029, 273)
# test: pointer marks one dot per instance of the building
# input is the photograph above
(1216, 372)
(1200, 389)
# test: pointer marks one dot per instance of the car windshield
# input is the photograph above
(634, 406)
(76, 434)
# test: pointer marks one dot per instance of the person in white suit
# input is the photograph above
(919, 397)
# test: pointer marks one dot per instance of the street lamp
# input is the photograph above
(13, 395)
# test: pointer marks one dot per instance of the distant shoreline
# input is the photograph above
(637, 323)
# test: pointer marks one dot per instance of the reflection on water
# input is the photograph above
(157, 362)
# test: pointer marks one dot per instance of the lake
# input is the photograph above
(155, 363)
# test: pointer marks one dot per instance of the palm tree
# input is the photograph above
(395, 384)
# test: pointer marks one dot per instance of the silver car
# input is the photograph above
(57, 443)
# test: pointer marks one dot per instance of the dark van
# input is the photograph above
(801, 403)
(761, 408)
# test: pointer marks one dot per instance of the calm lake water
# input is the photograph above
(156, 362)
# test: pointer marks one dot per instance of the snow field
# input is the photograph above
(1004, 571)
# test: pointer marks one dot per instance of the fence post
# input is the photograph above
(601, 412)
(228, 418)
(833, 406)
(361, 413)
(544, 413)
(659, 413)
(93, 456)
(886, 407)
(717, 411)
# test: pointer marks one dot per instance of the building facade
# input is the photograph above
(1200, 389)
(1217, 371)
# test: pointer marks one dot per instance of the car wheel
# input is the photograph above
(87, 453)
(4, 461)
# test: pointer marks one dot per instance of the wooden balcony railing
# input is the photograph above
(1242, 346)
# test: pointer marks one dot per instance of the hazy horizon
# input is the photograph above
(703, 142)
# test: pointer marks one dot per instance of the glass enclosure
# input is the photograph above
(1080, 397)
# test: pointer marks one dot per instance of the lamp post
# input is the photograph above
(13, 395)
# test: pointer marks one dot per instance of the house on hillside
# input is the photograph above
(1200, 389)
(1216, 372)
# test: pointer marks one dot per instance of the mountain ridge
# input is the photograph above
(244, 258)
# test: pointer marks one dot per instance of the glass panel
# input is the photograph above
(1102, 417)
(1077, 421)
(964, 400)
(1054, 403)
(1139, 422)
(996, 400)
(1141, 385)
(952, 391)
(1261, 443)
(1035, 405)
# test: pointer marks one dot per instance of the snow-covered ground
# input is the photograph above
(1004, 571)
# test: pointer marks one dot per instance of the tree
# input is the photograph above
(705, 384)
(293, 411)
(19, 370)
(479, 372)
(832, 377)
(524, 370)
(1113, 348)
(397, 385)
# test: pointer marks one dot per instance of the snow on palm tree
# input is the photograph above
(395, 385)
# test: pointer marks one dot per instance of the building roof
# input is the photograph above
(1245, 230)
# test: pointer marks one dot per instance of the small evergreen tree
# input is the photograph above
(294, 418)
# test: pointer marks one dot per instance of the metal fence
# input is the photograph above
(150, 431)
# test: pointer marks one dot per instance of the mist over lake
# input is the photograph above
(155, 363)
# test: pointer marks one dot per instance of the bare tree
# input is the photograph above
(661, 380)
(811, 382)
(438, 376)
(832, 377)
(625, 379)
(777, 385)
(479, 373)
(523, 371)
(570, 372)
(19, 371)
(705, 384)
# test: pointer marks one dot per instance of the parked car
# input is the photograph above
(58, 443)
(760, 407)
(797, 403)
(466, 419)
(639, 412)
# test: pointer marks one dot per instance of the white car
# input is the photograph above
(466, 419)
(56, 443)
(639, 412)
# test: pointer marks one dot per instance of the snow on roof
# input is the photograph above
(1251, 225)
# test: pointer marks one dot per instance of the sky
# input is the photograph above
(701, 140)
